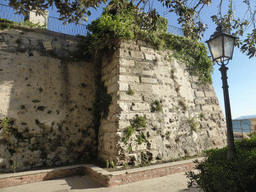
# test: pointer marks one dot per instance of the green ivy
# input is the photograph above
(102, 102)
(5, 23)
(125, 21)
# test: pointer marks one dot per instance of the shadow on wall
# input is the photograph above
(47, 105)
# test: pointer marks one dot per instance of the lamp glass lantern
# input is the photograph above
(221, 45)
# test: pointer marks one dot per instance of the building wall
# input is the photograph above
(190, 119)
(49, 100)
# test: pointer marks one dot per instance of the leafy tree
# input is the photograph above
(188, 12)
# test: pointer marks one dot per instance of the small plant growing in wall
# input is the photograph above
(130, 91)
(129, 132)
(157, 105)
(107, 164)
(193, 123)
(14, 167)
(172, 74)
(201, 116)
(140, 139)
(183, 105)
(139, 122)
(177, 89)
(6, 125)
(112, 164)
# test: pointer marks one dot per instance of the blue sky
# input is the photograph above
(242, 70)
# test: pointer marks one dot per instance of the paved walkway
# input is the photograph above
(171, 183)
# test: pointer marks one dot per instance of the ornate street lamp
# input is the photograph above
(221, 46)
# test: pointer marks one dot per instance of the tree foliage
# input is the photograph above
(188, 12)
(124, 21)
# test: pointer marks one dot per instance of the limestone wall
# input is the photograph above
(158, 111)
(47, 100)
(182, 117)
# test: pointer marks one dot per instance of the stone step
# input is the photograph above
(102, 176)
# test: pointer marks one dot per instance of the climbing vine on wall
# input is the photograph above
(125, 21)
(101, 104)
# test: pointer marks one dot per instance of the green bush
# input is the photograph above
(253, 134)
(126, 21)
(220, 174)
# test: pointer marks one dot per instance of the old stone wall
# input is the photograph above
(47, 101)
(159, 110)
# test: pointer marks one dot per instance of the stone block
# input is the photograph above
(195, 78)
(123, 86)
(123, 124)
(108, 147)
(109, 136)
(113, 108)
(124, 53)
(213, 133)
(147, 73)
(105, 77)
(47, 45)
(142, 147)
(152, 143)
(126, 78)
(137, 55)
(124, 107)
(126, 97)
(123, 69)
(211, 124)
(149, 56)
(210, 94)
(215, 116)
(127, 62)
(198, 108)
(111, 81)
(194, 86)
(142, 88)
(207, 108)
(114, 72)
(199, 101)
(148, 80)
(217, 108)
(141, 107)
(112, 88)
(217, 141)
(199, 93)
(129, 46)
(109, 66)
(146, 49)
(110, 127)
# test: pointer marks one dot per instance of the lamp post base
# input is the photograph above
(230, 136)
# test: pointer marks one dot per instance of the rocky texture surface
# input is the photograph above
(159, 110)
(48, 101)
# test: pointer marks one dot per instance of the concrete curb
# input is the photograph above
(100, 175)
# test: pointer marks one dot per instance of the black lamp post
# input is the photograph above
(221, 46)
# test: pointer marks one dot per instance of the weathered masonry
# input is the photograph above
(158, 110)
